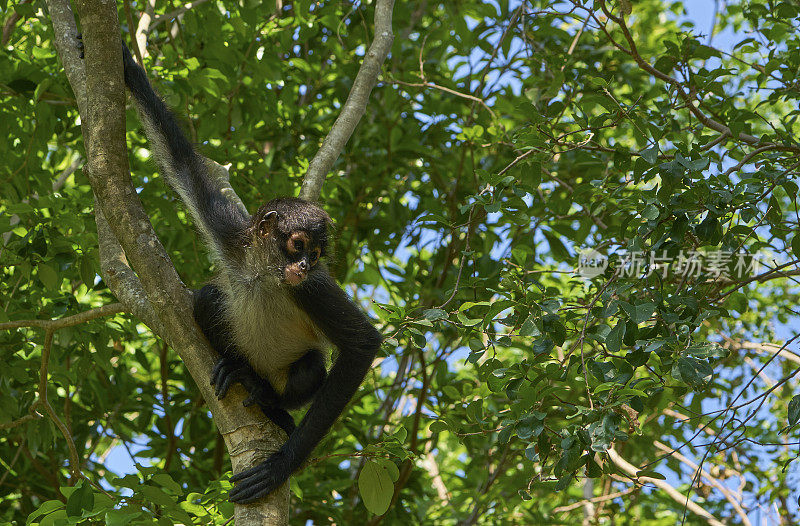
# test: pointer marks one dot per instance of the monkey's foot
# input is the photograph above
(229, 370)
(262, 479)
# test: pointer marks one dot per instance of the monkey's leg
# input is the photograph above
(306, 376)
(231, 367)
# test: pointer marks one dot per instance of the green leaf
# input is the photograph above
(650, 155)
(121, 517)
(707, 229)
(639, 313)
(529, 426)
(166, 482)
(564, 482)
(46, 507)
(466, 321)
(794, 410)
(80, 500)
(438, 426)
(57, 518)
(529, 327)
(796, 245)
(434, 314)
(156, 495)
(557, 247)
(48, 275)
(452, 392)
(738, 302)
(692, 371)
(543, 346)
(551, 325)
(650, 473)
(87, 271)
(650, 212)
(614, 338)
(375, 487)
(475, 410)
(390, 467)
(294, 486)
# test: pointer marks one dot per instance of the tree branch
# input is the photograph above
(9, 25)
(142, 30)
(674, 494)
(119, 276)
(356, 103)
(689, 98)
(593, 500)
(763, 348)
(249, 436)
(50, 326)
(69, 321)
(735, 503)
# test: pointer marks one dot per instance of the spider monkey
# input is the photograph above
(272, 308)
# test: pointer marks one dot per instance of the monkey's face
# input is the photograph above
(303, 255)
(291, 236)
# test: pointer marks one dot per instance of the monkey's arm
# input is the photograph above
(358, 342)
(219, 220)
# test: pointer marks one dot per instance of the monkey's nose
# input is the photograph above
(303, 265)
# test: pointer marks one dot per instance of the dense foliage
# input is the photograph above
(502, 142)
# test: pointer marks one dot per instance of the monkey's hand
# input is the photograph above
(262, 479)
(230, 369)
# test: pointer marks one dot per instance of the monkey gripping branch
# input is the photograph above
(133, 260)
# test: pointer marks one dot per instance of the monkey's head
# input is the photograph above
(289, 237)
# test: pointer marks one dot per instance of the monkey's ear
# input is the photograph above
(267, 223)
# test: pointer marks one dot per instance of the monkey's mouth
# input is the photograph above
(294, 275)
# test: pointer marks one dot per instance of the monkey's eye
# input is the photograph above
(297, 243)
(315, 255)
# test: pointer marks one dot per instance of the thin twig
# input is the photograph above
(735, 503)
(174, 14)
(600, 498)
(10, 24)
(69, 321)
(50, 327)
(428, 84)
(69, 170)
(690, 97)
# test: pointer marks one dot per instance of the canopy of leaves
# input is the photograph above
(503, 141)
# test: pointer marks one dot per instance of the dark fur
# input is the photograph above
(249, 279)
(297, 214)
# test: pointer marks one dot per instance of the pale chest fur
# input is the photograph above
(271, 331)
